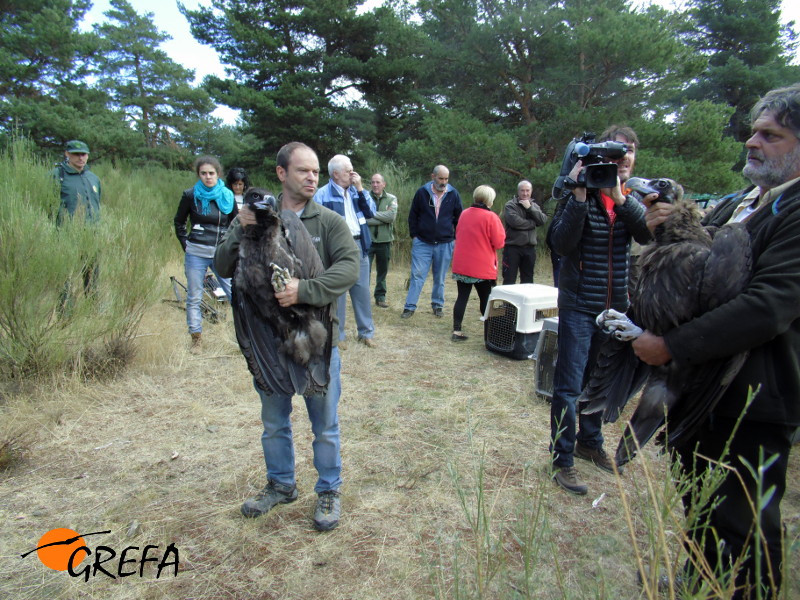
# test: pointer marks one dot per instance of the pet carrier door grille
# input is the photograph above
(501, 326)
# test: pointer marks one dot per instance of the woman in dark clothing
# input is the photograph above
(237, 181)
(210, 207)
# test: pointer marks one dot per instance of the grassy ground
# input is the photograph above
(445, 451)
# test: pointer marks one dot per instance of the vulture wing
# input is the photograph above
(287, 349)
(683, 396)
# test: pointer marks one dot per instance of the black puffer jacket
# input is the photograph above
(595, 255)
(207, 230)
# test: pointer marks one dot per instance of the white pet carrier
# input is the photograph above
(514, 316)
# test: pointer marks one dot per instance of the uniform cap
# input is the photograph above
(77, 146)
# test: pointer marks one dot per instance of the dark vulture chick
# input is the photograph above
(288, 350)
(684, 273)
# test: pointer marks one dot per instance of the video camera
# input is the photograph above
(596, 172)
(667, 190)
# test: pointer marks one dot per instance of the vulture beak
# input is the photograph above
(266, 202)
(262, 201)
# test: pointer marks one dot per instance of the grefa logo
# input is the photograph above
(63, 549)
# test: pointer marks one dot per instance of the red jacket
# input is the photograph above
(479, 235)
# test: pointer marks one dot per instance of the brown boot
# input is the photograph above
(195, 347)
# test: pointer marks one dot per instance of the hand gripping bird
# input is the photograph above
(288, 349)
(685, 272)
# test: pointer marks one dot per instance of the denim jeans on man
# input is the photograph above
(195, 268)
(579, 340)
(426, 257)
(276, 410)
(362, 309)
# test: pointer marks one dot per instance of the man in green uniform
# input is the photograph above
(80, 188)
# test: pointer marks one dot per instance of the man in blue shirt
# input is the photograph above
(344, 194)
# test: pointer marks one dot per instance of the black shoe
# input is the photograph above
(438, 312)
(407, 314)
(459, 337)
(272, 495)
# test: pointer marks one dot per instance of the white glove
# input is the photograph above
(619, 325)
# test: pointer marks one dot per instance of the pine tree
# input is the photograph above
(748, 53)
(295, 68)
(154, 92)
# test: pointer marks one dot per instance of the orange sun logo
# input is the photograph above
(57, 546)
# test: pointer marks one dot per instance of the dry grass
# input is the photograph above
(173, 446)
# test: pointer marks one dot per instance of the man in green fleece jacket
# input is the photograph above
(298, 171)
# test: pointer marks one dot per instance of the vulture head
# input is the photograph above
(266, 210)
(668, 190)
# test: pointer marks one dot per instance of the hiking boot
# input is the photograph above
(368, 342)
(342, 345)
(196, 343)
(329, 507)
(596, 455)
(381, 304)
(438, 311)
(567, 478)
(407, 314)
(272, 494)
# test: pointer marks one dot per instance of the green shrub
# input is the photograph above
(72, 297)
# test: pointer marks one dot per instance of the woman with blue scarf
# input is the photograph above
(210, 207)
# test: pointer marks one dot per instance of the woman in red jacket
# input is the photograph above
(479, 235)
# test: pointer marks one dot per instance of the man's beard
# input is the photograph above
(772, 172)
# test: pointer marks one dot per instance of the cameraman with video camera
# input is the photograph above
(592, 230)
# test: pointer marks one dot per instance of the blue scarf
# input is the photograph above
(219, 194)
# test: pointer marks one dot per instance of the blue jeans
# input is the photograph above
(426, 257)
(195, 268)
(362, 308)
(579, 340)
(276, 410)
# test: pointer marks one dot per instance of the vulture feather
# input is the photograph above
(288, 349)
(684, 273)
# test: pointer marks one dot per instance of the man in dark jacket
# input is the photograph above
(592, 231)
(521, 217)
(432, 221)
(763, 320)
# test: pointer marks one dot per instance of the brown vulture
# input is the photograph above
(288, 350)
(685, 272)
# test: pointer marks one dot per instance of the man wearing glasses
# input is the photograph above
(432, 221)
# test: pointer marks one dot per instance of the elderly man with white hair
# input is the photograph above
(344, 194)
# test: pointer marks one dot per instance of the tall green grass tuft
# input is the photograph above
(72, 297)
(499, 550)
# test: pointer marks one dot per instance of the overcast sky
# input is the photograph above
(184, 49)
